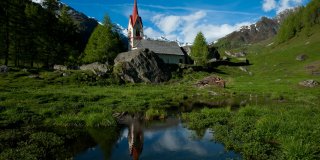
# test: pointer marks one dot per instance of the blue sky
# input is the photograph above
(182, 19)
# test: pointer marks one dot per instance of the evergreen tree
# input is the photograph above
(70, 37)
(311, 15)
(4, 30)
(34, 19)
(199, 50)
(303, 19)
(104, 44)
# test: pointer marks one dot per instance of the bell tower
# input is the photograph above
(135, 28)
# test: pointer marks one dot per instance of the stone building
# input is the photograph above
(169, 52)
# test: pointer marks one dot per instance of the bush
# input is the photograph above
(153, 114)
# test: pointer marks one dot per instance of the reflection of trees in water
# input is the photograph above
(106, 138)
(199, 133)
(135, 138)
(33, 142)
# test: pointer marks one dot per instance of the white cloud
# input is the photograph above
(280, 5)
(184, 28)
(37, 1)
(151, 32)
(269, 5)
(167, 24)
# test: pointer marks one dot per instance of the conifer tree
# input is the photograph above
(199, 50)
(104, 44)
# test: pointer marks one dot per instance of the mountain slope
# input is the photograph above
(85, 24)
(264, 29)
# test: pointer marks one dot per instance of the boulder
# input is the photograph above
(35, 76)
(4, 69)
(244, 69)
(211, 80)
(141, 65)
(60, 67)
(73, 67)
(301, 57)
(97, 68)
(309, 83)
(236, 55)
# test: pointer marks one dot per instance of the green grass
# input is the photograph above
(63, 101)
(284, 131)
(280, 121)
(152, 114)
(275, 70)
(287, 125)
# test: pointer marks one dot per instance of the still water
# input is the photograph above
(167, 139)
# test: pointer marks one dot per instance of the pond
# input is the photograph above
(166, 139)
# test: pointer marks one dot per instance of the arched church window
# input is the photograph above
(138, 33)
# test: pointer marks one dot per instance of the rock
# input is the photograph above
(97, 68)
(277, 80)
(213, 93)
(60, 67)
(309, 83)
(73, 67)
(301, 57)
(4, 69)
(240, 54)
(141, 65)
(211, 80)
(35, 76)
(212, 60)
(244, 69)
(236, 55)
(224, 58)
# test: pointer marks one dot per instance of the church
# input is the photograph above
(169, 52)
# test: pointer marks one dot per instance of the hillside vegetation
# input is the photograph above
(301, 20)
(289, 128)
(262, 113)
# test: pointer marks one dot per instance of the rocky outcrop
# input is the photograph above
(211, 80)
(141, 65)
(309, 83)
(236, 55)
(60, 67)
(4, 69)
(301, 57)
(97, 68)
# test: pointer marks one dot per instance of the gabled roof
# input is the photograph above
(161, 47)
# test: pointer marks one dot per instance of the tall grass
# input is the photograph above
(283, 131)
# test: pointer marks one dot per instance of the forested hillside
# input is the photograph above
(33, 35)
(302, 20)
(41, 35)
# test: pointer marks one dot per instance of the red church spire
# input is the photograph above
(135, 14)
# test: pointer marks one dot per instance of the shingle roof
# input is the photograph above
(161, 47)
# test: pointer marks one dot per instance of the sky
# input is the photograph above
(182, 19)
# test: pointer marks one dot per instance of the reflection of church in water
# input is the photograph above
(135, 139)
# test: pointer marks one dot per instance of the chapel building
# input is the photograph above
(169, 52)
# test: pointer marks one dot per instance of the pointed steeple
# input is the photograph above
(135, 14)
(135, 27)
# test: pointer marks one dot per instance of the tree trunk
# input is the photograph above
(7, 42)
